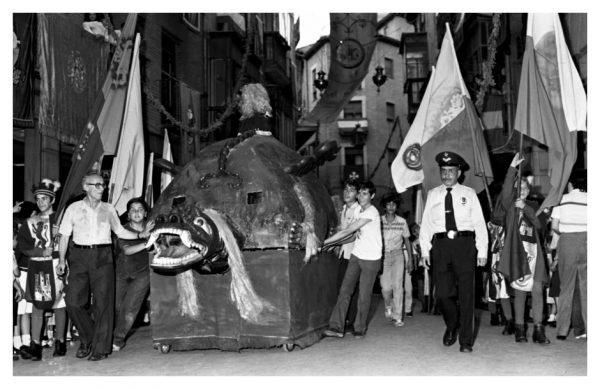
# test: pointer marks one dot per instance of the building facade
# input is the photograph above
(190, 64)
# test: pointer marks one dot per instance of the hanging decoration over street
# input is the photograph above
(352, 42)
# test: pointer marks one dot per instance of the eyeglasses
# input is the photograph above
(98, 185)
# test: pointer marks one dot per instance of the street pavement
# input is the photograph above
(413, 350)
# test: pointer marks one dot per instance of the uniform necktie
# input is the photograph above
(449, 208)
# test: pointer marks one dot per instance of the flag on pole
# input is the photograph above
(166, 177)
(149, 186)
(552, 103)
(446, 121)
(101, 132)
(127, 175)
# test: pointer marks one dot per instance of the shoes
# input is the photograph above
(348, 329)
(359, 334)
(509, 327)
(450, 337)
(36, 351)
(552, 323)
(116, 348)
(465, 348)
(84, 350)
(388, 312)
(520, 333)
(16, 353)
(97, 357)
(539, 335)
(25, 352)
(398, 323)
(409, 314)
(582, 336)
(561, 337)
(333, 333)
(60, 348)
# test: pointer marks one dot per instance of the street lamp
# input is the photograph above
(379, 78)
(321, 83)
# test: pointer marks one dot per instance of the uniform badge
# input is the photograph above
(463, 200)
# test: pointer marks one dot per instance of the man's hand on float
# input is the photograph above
(146, 233)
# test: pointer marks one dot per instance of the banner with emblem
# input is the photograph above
(352, 42)
(101, 131)
(72, 67)
(446, 121)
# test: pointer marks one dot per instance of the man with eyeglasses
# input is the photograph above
(90, 222)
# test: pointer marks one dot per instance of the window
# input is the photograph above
(416, 92)
(169, 90)
(192, 20)
(389, 67)
(416, 67)
(390, 112)
(353, 110)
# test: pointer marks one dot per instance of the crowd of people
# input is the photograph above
(66, 283)
(520, 252)
(81, 290)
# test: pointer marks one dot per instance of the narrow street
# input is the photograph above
(413, 350)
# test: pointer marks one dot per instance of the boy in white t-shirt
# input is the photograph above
(363, 266)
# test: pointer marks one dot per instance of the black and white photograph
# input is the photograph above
(309, 193)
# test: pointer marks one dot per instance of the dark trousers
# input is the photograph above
(130, 293)
(364, 272)
(453, 264)
(354, 299)
(91, 270)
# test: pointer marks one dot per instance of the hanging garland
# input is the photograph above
(489, 64)
(230, 107)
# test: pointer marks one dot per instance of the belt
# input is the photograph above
(91, 246)
(452, 234)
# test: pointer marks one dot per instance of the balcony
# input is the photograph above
(357, 129)
(275, 57)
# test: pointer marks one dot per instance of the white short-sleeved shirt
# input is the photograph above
(368, 243)
(90, 225)
(348, 215)
(572, 212)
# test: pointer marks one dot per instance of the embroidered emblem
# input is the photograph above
(76, 72)
(412, 157)
(463, 200)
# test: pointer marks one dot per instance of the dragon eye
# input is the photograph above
(201, 222)
(174, 219)
(160, 219)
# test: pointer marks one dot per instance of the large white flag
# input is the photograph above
(127, 176)
(446, 121)
(166, 177)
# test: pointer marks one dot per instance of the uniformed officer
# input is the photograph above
(454, 235)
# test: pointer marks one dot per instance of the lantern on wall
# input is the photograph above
(321, 83)
(379, 78)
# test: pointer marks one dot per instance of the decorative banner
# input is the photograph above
(446, 121)
(352, 41)
(101, 133)
(166, 177)
(23, 63)
(552, 103)
(72, 66)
